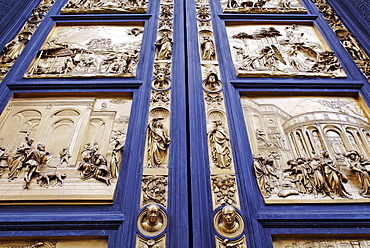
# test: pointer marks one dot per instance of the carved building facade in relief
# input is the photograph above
(309, 148)
(62, 141)
(88, 51)
(270, 50)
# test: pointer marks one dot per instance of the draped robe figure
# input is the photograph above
(220, 147)
(158, 143)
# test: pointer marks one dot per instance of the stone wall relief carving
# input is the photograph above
(319, 161)
(40, 146)
(105, 7)
(13, 49)
(88, 51)
(261, 6)
(281, 51)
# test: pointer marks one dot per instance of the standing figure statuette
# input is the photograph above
(220, 145)
(158, 143)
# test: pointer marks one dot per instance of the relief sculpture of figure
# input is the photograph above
(3, 160)
(333, 176)
(152, 222)
(228, 222)
(34, 160)
(117, 146)
(64, 156)
(164, 47)
(158, 142)
(361, 167)
(18, 161)
(208, 49)
(13, 49)
(265, 171)
(220, 145)
(94, 165)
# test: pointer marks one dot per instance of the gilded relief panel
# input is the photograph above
(262, 6)
(309, 149)
(322, 241)
(62, 148)
(277, 50)
(89, 51)
(105, 7)
(53, 242)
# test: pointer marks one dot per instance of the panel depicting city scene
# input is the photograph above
(89, 51)
(309, 149)
(281, 50)
(322, 241)
(62, 148)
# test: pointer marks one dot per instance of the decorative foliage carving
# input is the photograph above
(281, 51)
(76, 51)
(160, 97)
(224, 188)
(104, 6)
(263, 6)
(214, 98)
(155, 189)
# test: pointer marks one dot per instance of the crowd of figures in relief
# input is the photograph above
(33, 160)
(79, 52)
(323, 242)
(263, 6)
(316, 148)
(104, 6)
(281, 50)
(49, 165)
